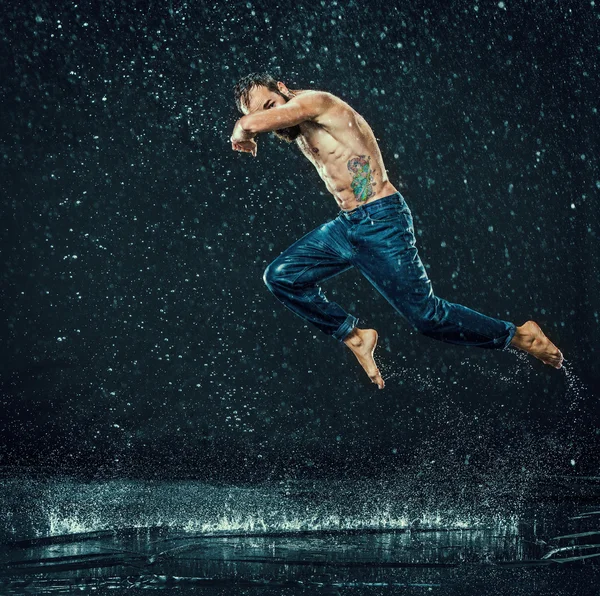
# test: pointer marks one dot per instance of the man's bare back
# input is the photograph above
(341, 145)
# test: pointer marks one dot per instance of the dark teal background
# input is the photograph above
(140, 336)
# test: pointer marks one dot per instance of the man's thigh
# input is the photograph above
(389, 259)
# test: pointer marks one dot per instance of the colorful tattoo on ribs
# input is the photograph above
(362, 180)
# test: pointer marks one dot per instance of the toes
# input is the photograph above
(378, 380)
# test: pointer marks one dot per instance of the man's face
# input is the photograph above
(262, 98)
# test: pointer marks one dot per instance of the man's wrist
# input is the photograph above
(239, 134)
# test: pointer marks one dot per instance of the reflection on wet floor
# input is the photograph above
(298, 536)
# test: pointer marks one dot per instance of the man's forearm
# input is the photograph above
(239, 133)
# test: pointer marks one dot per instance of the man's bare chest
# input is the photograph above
(318, 145)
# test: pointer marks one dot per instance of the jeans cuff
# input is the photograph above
(345, 328)
(511, 334)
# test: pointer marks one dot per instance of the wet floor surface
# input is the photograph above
(60, 535)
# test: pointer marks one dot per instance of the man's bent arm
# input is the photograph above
(240, 134)
(296, 110)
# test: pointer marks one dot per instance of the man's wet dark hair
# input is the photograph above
(242, 88)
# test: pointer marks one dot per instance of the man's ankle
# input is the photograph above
(353, 338)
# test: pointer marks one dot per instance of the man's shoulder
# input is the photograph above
(315, 94)
(319, 102)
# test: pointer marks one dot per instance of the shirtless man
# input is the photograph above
(372, 232)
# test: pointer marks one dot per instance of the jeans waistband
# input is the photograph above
(382, 203)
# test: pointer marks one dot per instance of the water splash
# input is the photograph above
(433, 383)
(423, 381)
(576, 388)
(68, 506)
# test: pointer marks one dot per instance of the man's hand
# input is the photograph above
(242, 140)
(248, 146)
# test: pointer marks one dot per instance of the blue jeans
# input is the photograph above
(378, 239)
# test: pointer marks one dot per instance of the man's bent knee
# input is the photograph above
(269, 276)
(274, 275)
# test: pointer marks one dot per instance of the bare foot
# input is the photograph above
(531, 339)
(362, 342)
